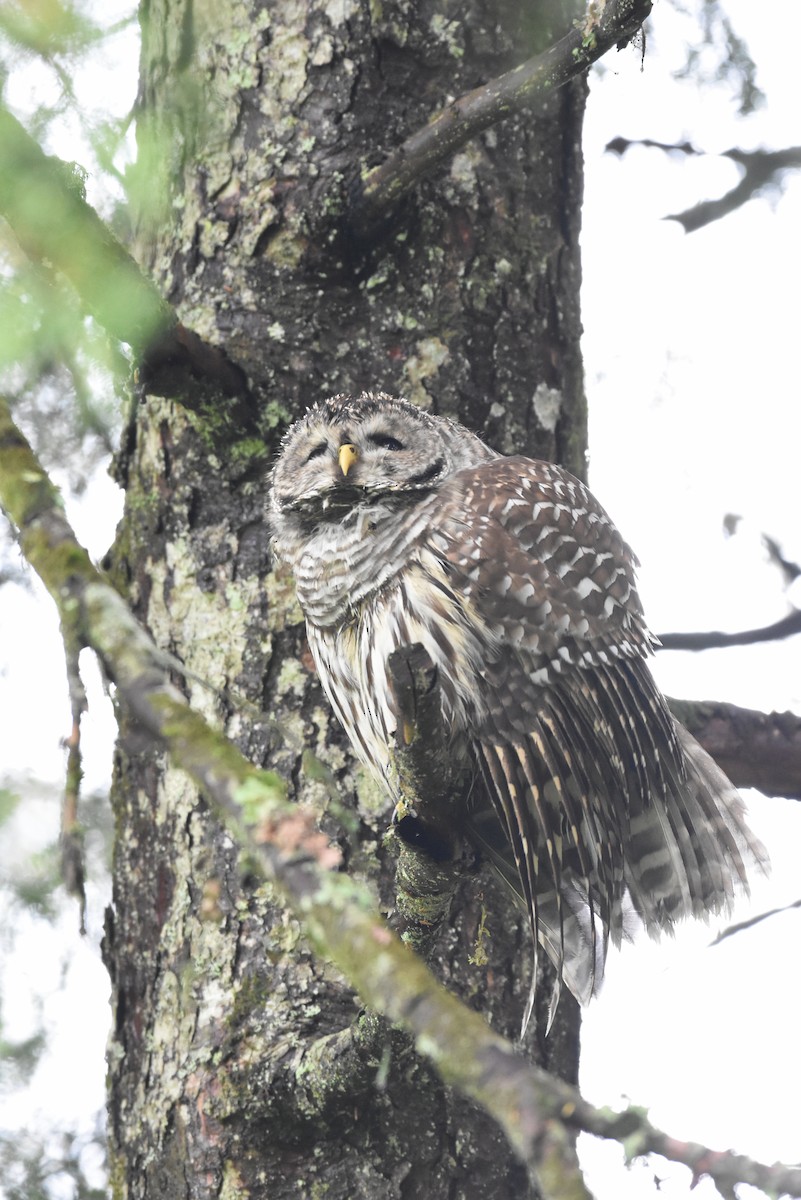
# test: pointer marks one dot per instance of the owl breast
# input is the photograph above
(339, 566)
(415, 606)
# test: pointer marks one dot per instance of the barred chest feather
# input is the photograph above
(341, 562)
(415, 604)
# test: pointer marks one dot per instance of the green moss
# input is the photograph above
(447, 32)
(232, 1186)
(284, 610)
(248, 450)
(287, 936)
(251, 994)
(319, 772)
(233, 598)
(258, 795)
(274, 414)
(286, 248)
(117, 1176)
(26, 490)
(142, 502)
(372, 797)
(292, 678)
(479, 957)
(196, 746)
(58, 565)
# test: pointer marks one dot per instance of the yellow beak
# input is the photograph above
(347, 457)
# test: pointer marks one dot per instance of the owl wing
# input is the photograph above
(600, 799)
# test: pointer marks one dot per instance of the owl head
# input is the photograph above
(349, 449)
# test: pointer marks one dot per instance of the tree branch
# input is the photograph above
(71, 845)
(750, 922)
(432, 789)
(282, 846)
(725, 1168)
(714, 639)
(755, 749)
(759, 168)
(42, 200)
(383, 186)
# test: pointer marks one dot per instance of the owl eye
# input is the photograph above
(316, 451)
(385, 442)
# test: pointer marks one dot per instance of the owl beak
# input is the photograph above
(347, 457)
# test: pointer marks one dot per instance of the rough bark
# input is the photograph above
(255, 123)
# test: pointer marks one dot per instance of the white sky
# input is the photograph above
(694, 413)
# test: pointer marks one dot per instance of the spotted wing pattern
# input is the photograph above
(607, 806)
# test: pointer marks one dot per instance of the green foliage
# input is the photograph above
(61, 368)
(63, 373)
(53, 31)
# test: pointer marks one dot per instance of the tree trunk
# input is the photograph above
(256, 122)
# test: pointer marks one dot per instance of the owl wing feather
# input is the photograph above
(604, 802)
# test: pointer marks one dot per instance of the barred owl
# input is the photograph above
(400, 528)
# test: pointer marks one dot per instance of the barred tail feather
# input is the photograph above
(706, 819)
(605, 814)
(742, 851)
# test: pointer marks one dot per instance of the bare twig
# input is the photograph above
(759, 169)
(384, 185)
(714, 639)
(73, 872)
(537, 1112)
(740, 926)
(790, 570)
(724, 1167)
(620, 145)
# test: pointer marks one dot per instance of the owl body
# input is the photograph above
(403, 528)
(368, 587)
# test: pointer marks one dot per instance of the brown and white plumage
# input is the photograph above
(400, 528)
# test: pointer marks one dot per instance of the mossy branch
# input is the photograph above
(42, 199)
(759, 171)
(432, 788)
(537, 1112)
(384, 186)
